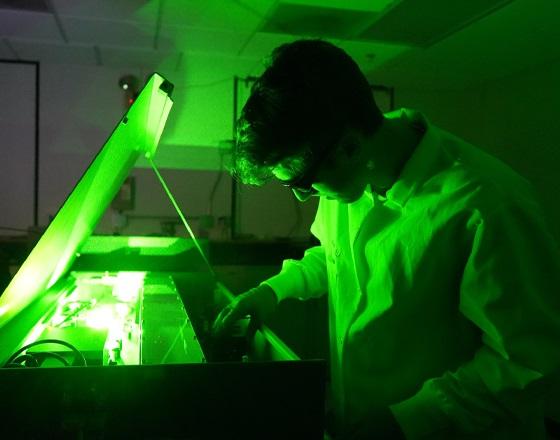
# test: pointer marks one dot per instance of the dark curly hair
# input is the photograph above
(309, 93)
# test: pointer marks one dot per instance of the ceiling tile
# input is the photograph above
(371, 55)
(206, 69)
(519, 36)
(109, 32)
(215, 14)
(129, 10)
(188, 39)
(54, 53)
(522, 34)
(34, 25)
(316, 21)
(401, 25)
(368, 55)
(262, 44)
(141, 58)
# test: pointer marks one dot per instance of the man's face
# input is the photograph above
(336, 176)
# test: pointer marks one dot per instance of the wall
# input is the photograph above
(79, 107)
(521, 125)
(514, 118)
(17, 143)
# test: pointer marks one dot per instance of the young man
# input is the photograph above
(444, 306)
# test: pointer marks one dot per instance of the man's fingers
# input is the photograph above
(228, 316)
(258, 302)
(218, 326)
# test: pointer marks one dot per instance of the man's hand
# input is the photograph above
(259, 302)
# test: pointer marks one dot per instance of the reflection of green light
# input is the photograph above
(4, 309)
(34, 334)
(101, 318)
(57, 320)
(122, 309)
(127, 286)
(151, 242)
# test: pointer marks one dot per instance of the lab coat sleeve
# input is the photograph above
(510, 290)
(303, 279)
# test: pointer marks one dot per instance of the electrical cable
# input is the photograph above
(48, 354)
(38, 358)
(24, 358)
(77, 353)
(83, 305)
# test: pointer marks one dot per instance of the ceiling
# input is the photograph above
(433, 43)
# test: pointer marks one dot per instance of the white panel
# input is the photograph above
(29, 25)
(371, 55)
(128, 57)
(189, 39)
(109, 32)
(17, 145)
(261, 45)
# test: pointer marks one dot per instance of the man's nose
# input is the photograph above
(302, 196)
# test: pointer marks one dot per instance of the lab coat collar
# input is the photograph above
(420, 165)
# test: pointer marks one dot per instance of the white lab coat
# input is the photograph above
(444, 297)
